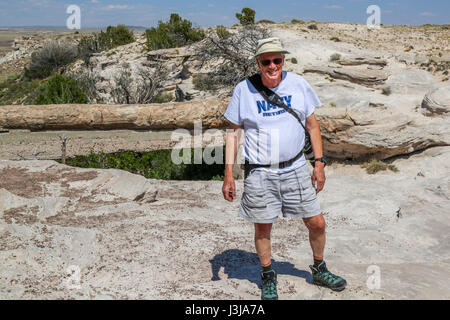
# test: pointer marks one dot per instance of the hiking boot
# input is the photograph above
(324, 278)
(269, 285)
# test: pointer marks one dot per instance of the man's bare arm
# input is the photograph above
(231, 148)
(313, 127)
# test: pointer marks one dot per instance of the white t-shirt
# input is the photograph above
(272, 135)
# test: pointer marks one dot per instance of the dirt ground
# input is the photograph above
(16, 144)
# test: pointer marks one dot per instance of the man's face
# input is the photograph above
(271, 71)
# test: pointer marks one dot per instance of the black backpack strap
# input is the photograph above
(271, 96)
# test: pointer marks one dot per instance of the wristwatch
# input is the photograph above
(322, 159)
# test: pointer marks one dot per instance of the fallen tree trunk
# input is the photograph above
(346, 132)
(108, 117)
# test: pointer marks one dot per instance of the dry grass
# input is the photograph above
(6, 41)
(374, 166)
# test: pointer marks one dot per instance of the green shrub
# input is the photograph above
(294, 60)
(15, 90)
(335, 39)
(246, 17)
(297, 21)
(222, 32)
(6, 76)
(163, 97)
(117, 36)
(60, 90)
(177, 32)
(335, 57)
(266, 21)
(152, 165)
(112, 38)
(386, 91)
(375, 166)
(203, 82)
(51, 58)
(312, 27)
(393, 168)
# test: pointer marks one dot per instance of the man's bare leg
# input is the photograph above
(317, 238)
(268, 275)
(320, 273)
(262, 242)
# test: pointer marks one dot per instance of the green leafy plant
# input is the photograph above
(313, 27)
(176, 32)
(60, 90)
(98, 42)
(152, 165)
(246, 17)
(294, 60)
(117, 36)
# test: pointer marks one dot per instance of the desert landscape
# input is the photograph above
(85, 233)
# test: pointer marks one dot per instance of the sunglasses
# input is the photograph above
(267, 62)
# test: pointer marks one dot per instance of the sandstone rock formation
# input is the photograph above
(437, 101)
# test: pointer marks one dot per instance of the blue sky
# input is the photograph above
(205, 13)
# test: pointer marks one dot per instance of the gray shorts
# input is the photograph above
(266, 193)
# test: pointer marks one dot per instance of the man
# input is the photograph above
(275, 138)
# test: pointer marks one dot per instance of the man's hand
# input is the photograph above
(318, 176)
(229, 188)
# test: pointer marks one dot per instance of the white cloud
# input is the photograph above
(333, 6)
(117, 6)
(427, 14)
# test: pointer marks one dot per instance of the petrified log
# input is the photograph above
(107, 117)
(365, 77)
(356, 61)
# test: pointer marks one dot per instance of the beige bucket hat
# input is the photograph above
(269, 45)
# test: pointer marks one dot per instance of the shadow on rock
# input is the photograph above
(239, 264)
